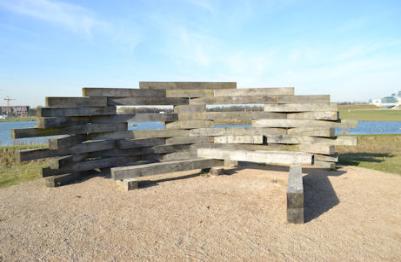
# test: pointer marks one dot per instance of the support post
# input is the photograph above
(295, 196)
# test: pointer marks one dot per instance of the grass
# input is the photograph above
(378, 152)
(12, 172)
(371, 115)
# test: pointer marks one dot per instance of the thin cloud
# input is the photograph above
(70, 16)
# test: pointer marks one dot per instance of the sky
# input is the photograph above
(350, 50)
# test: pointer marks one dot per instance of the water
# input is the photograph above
(363, 128)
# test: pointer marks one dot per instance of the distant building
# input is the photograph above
(388, 101)
(14, 111)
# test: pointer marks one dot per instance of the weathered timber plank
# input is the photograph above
(64, 161)
(71, 130)
(92, 146)
(333, 158)
(229, 115)
(189, 124)
(312, 131)
(147, 101)
(323, 149)
(234, 108)
(50, 122)
(187, 85)
(161, 168)
(325, 165)
(66, 141)
(139, 143)
(266, 157)
(160, 133)
(299, 139)
(122, 92)
(144, 109)
(346, 141)
(188, 140)
(64, 179)
(246, 139)
(295, 196)
(66, 102)
(189, 92)
(236, 131)
(89, 165)
(288, 123)
(260, 99)
(35, 154)
(330, 115)
(189, 108)
(251, 147)
(304, 107)
(181, 155)
(80, 111)
(155, 117)
(256, 91)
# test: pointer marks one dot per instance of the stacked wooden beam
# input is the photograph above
(91, 132)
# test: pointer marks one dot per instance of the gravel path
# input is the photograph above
(352, 214)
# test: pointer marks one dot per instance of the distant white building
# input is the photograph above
(388, 101)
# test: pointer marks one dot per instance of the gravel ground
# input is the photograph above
(352, 214)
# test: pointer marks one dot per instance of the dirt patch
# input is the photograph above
(352, 214)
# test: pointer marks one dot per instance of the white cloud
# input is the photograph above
(73, 17)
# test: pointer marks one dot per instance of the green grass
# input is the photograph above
(19, 119)
(12, 172)
(371, 115)
(378, 152)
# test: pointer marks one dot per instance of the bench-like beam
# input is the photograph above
(264, 157)
(119, 173)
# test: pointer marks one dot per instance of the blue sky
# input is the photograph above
(348, 49)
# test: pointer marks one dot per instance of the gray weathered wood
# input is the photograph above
(139, 143)
(79, 111)
(161, 168)
(288, 123)
(256, 91)
(295, 196)
(301, 107)
(187, 85)
(188, 140)
(155, 117)
(246, 139)
(35, 154)
(236, 131)
(323, 115)
(189, 92)
(312, 131)
(147, 101)
(122, 92)
(260, 99)
(266, 157)
(189, 108)
(229, 115)
(67, 102)
(66, 141)
(71, 130)
(323, 149)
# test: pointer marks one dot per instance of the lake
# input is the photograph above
(363, 128)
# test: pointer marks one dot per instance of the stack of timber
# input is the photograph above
(91, 132)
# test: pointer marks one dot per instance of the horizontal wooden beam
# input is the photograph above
(119, 173)
(35, 154)
(139, 143)
(187, 85)
(121, 92)
(288, 123)
(66, 102)
(256, 91)
(313, 131)
(230, 115)
(246, 139)
(236, 131)
(147, 101)
(189, 92)
(79, 111)
(189, 124)
(266, 157)
(300, 107)
(260, 99)
(71, 130)
(323, 115)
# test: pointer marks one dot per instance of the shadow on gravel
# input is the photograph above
(355, 159)
(319, 194)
